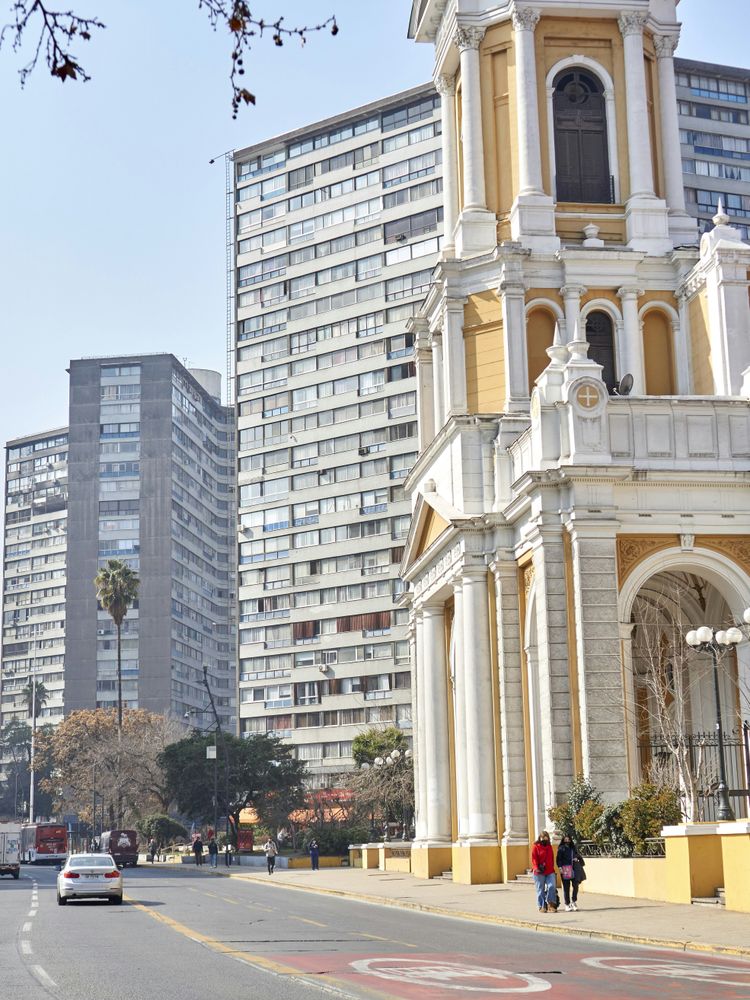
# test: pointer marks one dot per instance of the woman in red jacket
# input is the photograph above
(543, 869)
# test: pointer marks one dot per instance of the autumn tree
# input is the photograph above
(383, 783)
(259, 772)
(88, 753)
(54, 35)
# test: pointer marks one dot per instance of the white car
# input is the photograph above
(89, 876)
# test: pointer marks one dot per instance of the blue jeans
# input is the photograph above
(213, 860)
(543, 883)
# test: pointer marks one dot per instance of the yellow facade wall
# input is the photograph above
(485, 355)
(499, 119)
(635, 878)
(736, 859)
(658, 354)
(694, 867)
(700, 345)
(540, 333)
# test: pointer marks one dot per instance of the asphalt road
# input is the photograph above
(183, 934)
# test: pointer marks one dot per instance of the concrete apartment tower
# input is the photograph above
(584, 379)
(145, 474)
(337, 232)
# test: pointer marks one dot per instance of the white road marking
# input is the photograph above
(26, 927)
(445, 975)
(32, 912)
(43, 977)
(667, 968)
(26, 947)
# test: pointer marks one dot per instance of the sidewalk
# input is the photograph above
(613, 918)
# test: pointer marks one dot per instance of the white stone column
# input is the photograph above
(436, 342)
(480, 743)
(418, 728)
(682, 227)
(426, 381)
(525, 21)
(682, 346)
(639, 133)
(467, 41)
(454, 359)
(513, 303)
(459, 710)
(631, 346)
(572, 299)
(437, 758)
(446, 87)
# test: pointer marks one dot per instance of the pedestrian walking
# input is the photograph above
(543, 870)
(213, 852)
(198, 850)
(271, 850)
(570, 863)
(153, 850)
(314, 855)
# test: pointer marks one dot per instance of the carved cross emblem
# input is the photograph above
(587, 397)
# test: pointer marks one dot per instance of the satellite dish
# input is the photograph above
(625, 385)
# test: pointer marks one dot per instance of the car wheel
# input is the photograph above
(61, 900)
(115, 899)
(16, 874)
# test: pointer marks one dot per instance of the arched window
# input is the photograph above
(540, 334)
(600, 335)
(580, 119)
(658, 355)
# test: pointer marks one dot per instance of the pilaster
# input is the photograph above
(454, 358)
(532, 217)
(571, 294)
(512, 293)
(476, 232)
(631, 348)
(435, 686)
(446, 87)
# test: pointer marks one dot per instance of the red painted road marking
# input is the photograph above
(668, 968)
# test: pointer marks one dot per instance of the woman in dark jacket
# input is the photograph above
(570, 863)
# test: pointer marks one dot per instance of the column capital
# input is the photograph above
(445, 85)
(632, 24)
(468, 37)
(524, 18)
(433, 611)
(665, 45)
(474, 571)
(511, 288)
(629, 293)
(572, 290)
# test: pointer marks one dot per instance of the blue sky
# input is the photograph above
(112, 219)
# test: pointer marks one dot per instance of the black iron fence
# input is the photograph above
(656, 757)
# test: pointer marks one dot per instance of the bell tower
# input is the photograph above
(556, 115)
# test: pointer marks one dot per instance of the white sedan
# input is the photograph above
(89, 876)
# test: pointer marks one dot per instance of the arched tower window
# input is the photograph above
(600, 336)
(581, 155)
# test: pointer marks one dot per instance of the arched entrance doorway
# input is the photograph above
(672, 700)
(601, 340)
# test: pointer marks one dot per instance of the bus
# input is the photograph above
(44, 843)
(122, 845)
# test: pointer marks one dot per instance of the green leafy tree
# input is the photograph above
(372, 743)
(648, 809)
(116, 591)
(163, 829)
(256, 772)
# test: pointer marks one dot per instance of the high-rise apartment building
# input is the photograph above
(337, 232)
(714, 114)
(149, 463)
(33, 645)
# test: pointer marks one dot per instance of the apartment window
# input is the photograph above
(408, 115)
(411, 137)
(408, 284)
(409, 170)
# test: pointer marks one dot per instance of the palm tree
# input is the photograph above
(36, 696)
(116, 590)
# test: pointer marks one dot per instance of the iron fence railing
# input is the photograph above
(703, 757)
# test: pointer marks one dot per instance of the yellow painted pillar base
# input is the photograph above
(735, 849)
(370, 855)
(428, 861)
(477, 864)
(694, 861)
(516, 859)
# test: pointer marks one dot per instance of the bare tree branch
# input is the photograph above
(58, 30)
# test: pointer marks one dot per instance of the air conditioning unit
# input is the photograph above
(101, 631)
(323, 668)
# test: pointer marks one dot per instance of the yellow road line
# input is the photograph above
(228, 900)
(305, 920)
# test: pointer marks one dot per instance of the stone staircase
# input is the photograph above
(525, 879)
(716, 900)
(446, 876)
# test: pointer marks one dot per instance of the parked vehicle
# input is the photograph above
(122, 845)
(89, 876)
(44, 843)
(10, 849)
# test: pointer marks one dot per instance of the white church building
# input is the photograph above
(584, 416)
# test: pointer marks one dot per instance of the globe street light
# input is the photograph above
(706, 640)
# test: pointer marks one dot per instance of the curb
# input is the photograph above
(519, 923)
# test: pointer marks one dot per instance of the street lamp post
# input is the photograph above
(706, 640)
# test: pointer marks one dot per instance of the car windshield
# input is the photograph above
(91, 861)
